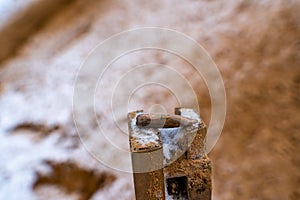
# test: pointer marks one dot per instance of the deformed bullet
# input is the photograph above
(163, 121)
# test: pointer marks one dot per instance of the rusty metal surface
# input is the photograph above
(147, 161)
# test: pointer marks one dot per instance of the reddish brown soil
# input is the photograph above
(74, 179)
(257, 156)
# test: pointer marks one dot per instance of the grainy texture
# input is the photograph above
(198, 173)
(194, 166)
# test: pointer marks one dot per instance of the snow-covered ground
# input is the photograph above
(36, 87)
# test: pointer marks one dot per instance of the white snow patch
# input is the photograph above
(20, 159)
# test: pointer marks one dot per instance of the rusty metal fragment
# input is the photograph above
(163, 121)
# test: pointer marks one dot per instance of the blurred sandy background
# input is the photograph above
(256, 45)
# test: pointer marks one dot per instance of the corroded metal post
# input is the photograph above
(147, 161)
(168, 155)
